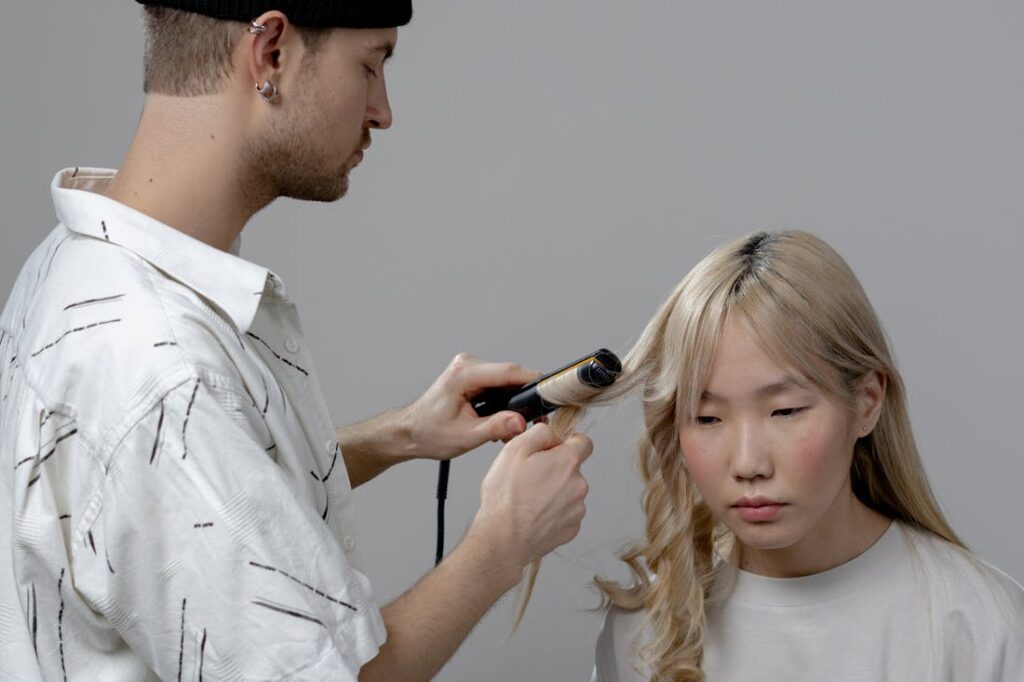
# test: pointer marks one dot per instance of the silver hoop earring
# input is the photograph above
(268, 91)
(256, 28)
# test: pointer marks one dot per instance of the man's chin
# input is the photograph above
(324, 190)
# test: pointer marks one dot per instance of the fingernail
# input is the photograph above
(514, 426)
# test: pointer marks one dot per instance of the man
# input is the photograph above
(179, 502)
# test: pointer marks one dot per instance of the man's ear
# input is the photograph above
(870, 397)
(268, 46)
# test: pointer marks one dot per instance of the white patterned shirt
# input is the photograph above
(173, 500)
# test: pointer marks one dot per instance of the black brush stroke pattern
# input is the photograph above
(334, 461)
(74, 331)
(37, 466)
(188, 413)
(94, 301)
(181, 646)
(287, 611)
(60, 624)
(284, 360)
(202, 655)
(159, 426)
(306, 585)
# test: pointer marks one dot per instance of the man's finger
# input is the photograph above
(581, 445)
(477, 376)
(502, 426)
(537, 438)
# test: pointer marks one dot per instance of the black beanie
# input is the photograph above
(311, 13)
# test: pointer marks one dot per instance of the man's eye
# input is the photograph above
(788, 411)
(370, 71)
(705, 420)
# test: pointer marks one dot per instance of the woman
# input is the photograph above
(791, 533)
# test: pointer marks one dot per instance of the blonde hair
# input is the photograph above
(810, 311)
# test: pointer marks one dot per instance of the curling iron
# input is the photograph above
(567, 385)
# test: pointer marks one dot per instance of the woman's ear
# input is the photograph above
(870, 400)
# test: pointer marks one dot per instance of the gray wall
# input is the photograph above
(555, 168)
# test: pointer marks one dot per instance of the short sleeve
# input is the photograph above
(202, 556)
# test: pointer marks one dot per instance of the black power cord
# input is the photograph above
(442, 495)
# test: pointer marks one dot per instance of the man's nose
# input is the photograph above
(378, 109)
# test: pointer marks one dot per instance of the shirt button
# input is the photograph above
(291, 345)
(329, 447)
(349, 543)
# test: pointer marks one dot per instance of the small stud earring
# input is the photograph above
(268, 91)
(256, 28)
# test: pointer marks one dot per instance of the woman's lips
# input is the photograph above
(758, 509)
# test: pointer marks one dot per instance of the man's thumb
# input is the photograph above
(505, 425)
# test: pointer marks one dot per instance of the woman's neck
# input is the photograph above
(848, 529)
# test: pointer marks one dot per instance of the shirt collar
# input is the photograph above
(234, 285)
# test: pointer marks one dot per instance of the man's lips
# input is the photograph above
(358, 155)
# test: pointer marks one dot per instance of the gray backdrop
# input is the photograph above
(555, 168)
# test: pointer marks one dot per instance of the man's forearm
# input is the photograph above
(428, 623)
(370, 447)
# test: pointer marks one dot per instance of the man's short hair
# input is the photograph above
(189, 54)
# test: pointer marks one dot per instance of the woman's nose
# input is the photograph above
(751, 454)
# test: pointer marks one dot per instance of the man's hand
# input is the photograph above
(442, 424)
(532, 498)
(531, 502)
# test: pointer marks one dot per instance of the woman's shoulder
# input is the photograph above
(622, 629)
(618, 643)
(966, 590)
(977, 610)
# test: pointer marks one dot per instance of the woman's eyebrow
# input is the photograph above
(781, 385)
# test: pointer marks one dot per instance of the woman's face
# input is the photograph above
(769, 452)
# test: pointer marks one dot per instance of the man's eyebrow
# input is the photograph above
(767, 391)
(388, 48)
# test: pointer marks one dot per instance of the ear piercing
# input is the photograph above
(268, 91)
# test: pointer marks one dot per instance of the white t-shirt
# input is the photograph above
(173, 501)
(912, 608)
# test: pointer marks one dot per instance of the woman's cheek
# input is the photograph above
(814, 448)
(701, 465)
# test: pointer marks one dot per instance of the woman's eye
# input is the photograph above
(370, 71)
(705, 420)
(788, 411)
